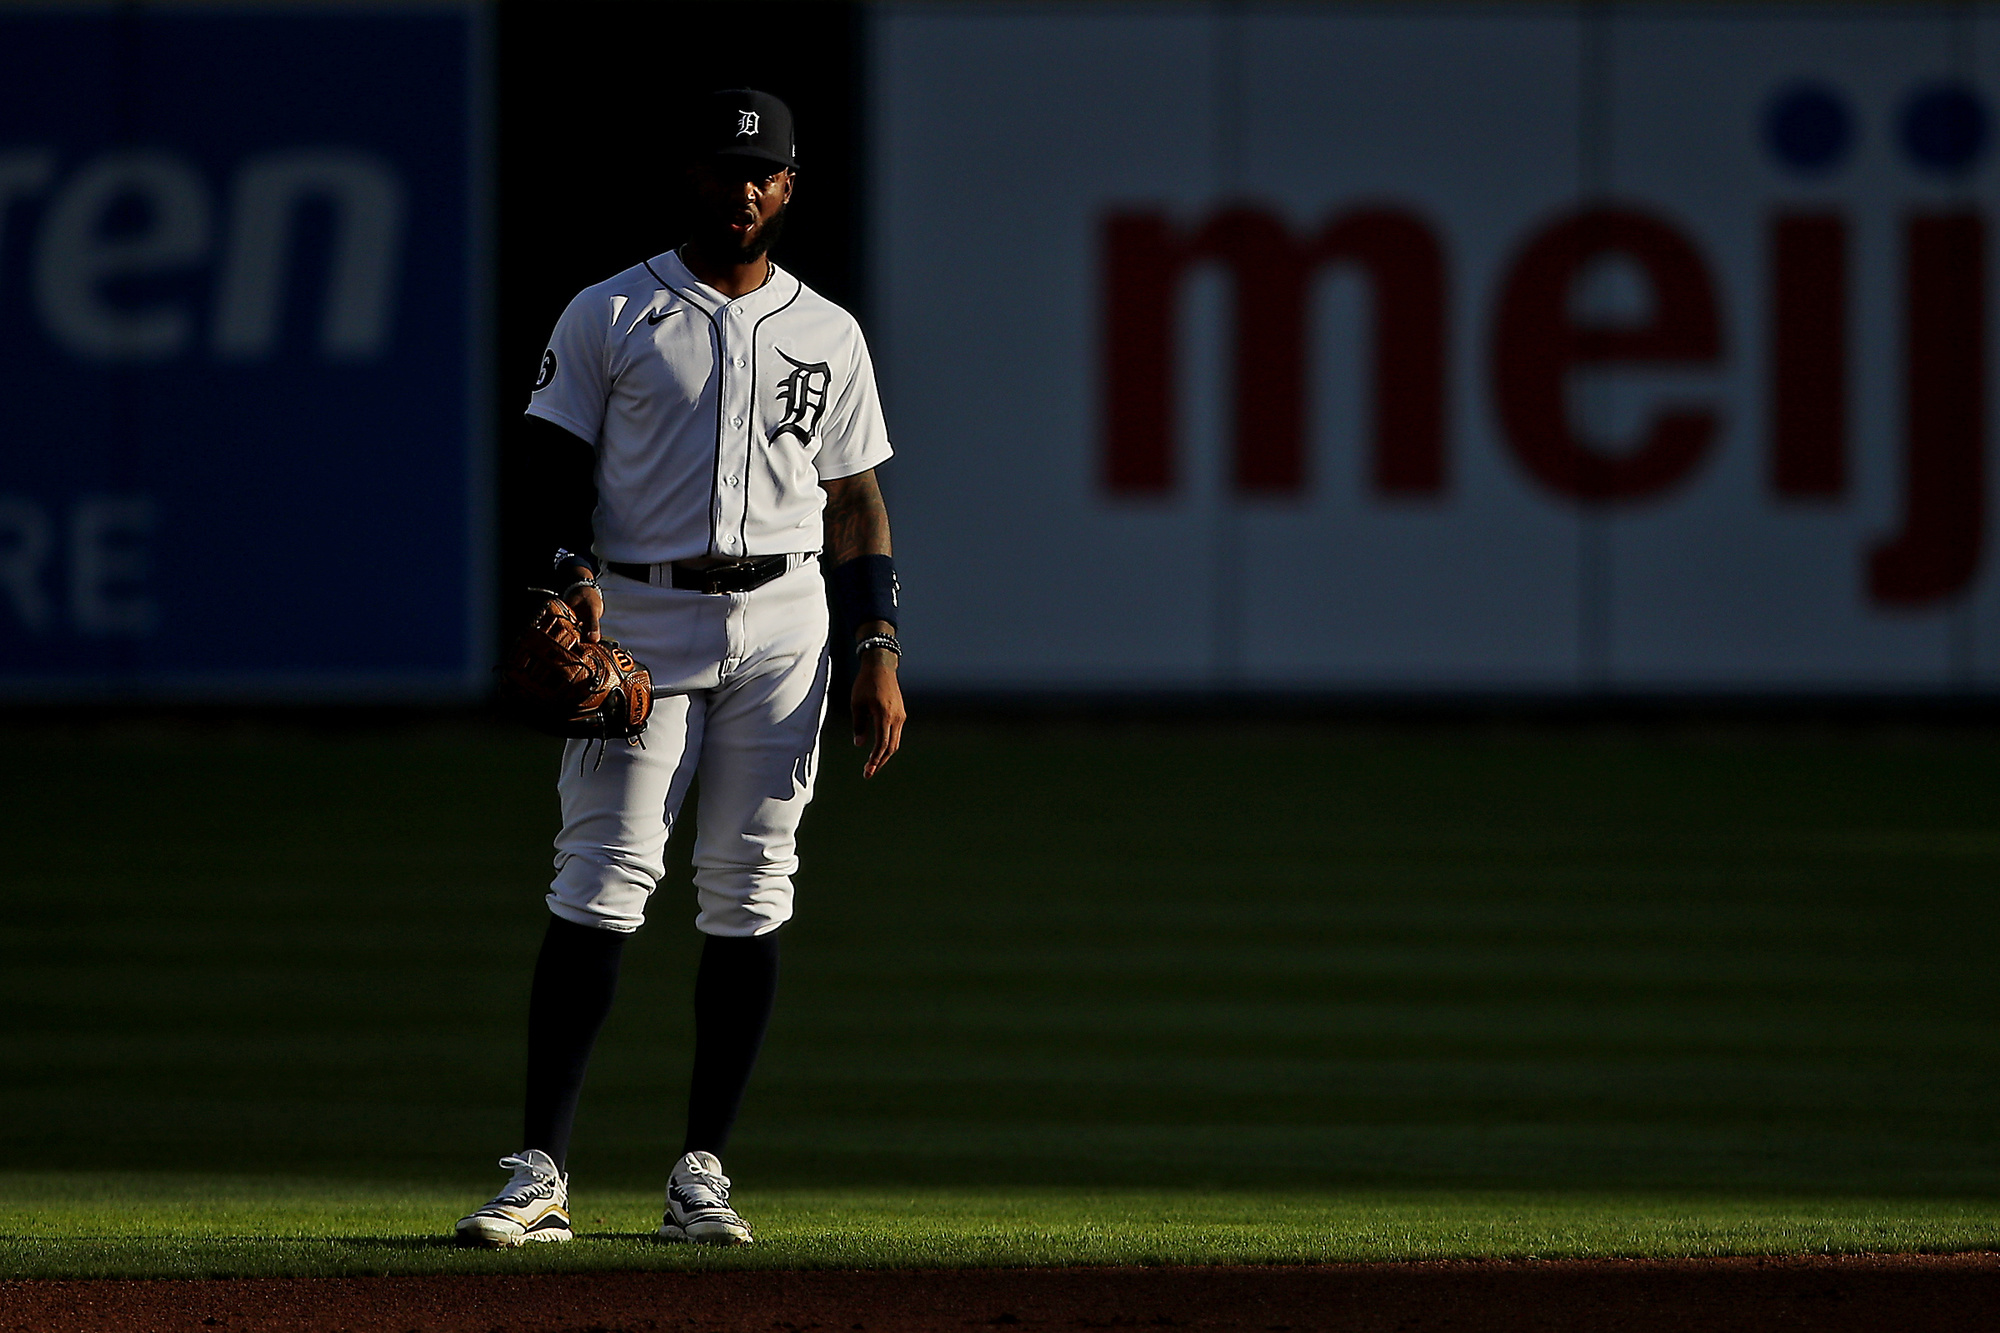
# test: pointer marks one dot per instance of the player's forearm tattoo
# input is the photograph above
(857, 521)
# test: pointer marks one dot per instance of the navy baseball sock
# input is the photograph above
(733, 991)
(576, 977)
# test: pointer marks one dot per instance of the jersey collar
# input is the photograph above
(777, 291)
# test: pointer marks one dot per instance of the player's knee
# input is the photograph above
(741, 904)
(595, 891)
(735, 918)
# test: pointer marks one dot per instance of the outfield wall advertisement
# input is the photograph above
(1466, 348)
(239, 352)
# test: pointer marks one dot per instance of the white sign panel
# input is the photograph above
(1456, 349)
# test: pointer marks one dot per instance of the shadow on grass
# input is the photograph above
(448, 1243)
(410, 1243)
(405, 1244)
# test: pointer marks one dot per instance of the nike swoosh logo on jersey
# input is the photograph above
(655, 316)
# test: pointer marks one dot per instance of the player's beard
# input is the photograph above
(716, 242)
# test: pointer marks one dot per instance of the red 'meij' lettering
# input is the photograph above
(1144, 261)
(1944, 414)
(1538, 342)
(1808, 367)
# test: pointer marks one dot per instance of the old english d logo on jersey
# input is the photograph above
(686, 417)
(804, 395)
(547, 375)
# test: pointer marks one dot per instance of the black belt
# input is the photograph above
(736, 576)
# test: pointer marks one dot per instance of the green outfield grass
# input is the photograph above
(150, 1226)
(1054, 993)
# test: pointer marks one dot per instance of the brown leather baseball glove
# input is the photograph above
(555, 681)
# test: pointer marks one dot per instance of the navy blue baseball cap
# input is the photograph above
(742, 122)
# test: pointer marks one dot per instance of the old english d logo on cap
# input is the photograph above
(743, 122)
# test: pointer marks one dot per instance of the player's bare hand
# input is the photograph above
(877, 704)
(588, 603)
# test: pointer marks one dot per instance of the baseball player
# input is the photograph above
(705, 427)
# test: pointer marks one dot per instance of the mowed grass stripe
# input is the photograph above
(1203, 957)
(164, 1225)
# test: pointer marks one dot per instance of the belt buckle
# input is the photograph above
(737, 575)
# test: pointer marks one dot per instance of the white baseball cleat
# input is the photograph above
(698, 1204)
(533, 1207)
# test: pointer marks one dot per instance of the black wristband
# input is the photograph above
(865, 590)
(565, 556)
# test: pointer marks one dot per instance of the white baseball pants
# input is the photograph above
(739, 684)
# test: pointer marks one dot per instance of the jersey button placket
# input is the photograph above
(731, 458)
(736, 399)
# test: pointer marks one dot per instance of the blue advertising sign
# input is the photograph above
(240, 338)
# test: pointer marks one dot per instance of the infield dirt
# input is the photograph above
(1835, 1294)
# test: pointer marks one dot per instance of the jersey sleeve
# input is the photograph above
(571, 386)
(855, 438)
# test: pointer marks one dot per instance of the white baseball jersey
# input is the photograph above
(714, 419)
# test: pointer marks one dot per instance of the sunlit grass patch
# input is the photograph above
(172, 1226)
